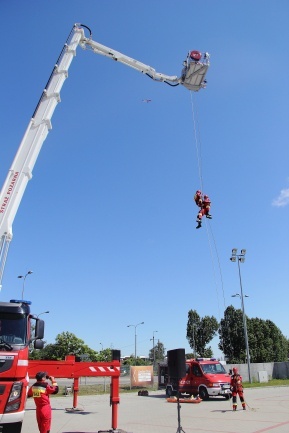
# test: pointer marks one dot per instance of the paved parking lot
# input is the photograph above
(267, 412)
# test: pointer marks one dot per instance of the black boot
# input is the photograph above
(209, 216)
(199, 225)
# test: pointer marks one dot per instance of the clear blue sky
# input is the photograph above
(107, 223)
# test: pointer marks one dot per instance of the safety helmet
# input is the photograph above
(40, 375)
(199, 192)
(235, 370)
(195, 55)
(205, 196)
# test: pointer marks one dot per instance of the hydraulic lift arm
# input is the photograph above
(192, 77)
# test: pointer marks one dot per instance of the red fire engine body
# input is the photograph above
(15, 338)
(205, 377)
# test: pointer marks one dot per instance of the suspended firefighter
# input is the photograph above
(205, 210)
(237, 389)
(198, 197)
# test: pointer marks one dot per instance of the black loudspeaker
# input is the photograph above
(177, 363)
(115, 354)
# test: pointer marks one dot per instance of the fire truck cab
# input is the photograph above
(15, 338)
(205, 377)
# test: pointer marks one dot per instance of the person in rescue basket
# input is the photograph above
(40, 391)
(237, 389)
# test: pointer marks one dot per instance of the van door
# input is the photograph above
(196, 378)
(185, 382)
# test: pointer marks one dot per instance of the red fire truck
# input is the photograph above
(15, 339)
(205, 377)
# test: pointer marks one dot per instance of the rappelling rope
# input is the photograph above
(213, 266)
(198, 150)
(209, 230)
(218, 259)
(197, 141)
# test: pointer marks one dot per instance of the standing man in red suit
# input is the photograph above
(237, 389)
(40, 391)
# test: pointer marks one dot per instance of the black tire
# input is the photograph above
(203, 393)
(228, 396)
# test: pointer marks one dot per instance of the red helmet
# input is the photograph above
(235, 370)
(195, 55)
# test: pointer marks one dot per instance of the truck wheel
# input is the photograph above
(203, 393)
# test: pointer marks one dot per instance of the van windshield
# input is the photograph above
(213, 368)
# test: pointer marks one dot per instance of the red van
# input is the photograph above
(205, 377)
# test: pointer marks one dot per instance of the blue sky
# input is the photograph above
(107, 223)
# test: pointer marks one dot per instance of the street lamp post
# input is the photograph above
(241, 258)
(101, 346)
(44, 312)
(154, 352)
(24, 278)
(135, 326)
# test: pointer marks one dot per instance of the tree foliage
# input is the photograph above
(159, 351)
(134, 362)
(200, 331)
(66, 344)
(265, 340)
(232, 339)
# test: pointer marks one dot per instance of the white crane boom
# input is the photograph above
(193, 78)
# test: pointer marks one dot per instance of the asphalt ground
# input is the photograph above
(267, 412)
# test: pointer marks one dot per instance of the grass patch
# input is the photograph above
(273, 382)
(100, 389)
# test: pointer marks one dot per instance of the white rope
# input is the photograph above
(198, 147)
(209, 230)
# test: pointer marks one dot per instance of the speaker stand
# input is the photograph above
(180, 428)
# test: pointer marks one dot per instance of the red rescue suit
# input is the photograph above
(205, 210)
(40, 391)
(198, 198)
(237, 389)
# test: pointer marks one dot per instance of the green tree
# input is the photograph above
(266, 341)
(159, 351)
(35, 354)
(134, 362)
(104, 355)
(66, 344)
(200, 331)
(232, 339)
(208, 353)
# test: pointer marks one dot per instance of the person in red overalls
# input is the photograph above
(40, 391)
(198, 198)
(237, 388)
(205, 210)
